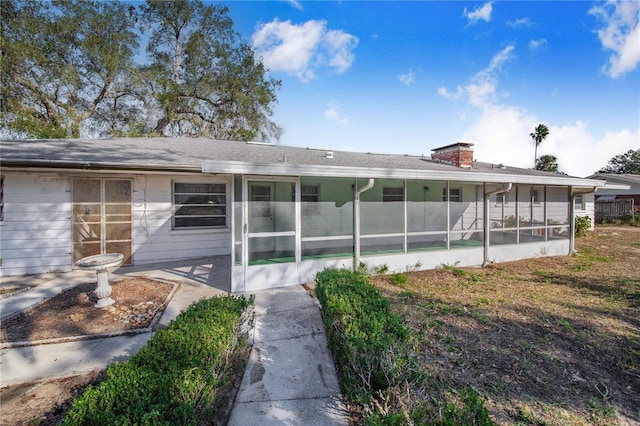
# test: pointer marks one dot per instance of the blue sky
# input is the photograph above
(405, 77)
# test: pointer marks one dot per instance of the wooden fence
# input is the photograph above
(613, 210)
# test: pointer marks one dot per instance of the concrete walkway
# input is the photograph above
(290, 378)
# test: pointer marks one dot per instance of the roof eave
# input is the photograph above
(286, 169)
(48, 164)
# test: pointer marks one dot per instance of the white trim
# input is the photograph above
(272, 234)
(329, 238)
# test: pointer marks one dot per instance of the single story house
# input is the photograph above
(280, 213)
(632, 181)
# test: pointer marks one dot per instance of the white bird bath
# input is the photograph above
(101, 263)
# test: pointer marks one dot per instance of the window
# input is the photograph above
(310, 198)
(579, 202)
(501, 199)
(199, 205)
(454, 195)
(260, 197)
(535, 199)
(391, 194)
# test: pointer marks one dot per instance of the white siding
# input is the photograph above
(36, 230)
(36, 233)
(589, 209)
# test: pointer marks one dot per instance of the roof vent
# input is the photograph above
(328, 154)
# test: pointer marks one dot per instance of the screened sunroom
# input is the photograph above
(288, 228)
(299, 211)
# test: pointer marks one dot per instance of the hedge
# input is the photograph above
(175, 378)
(367, 339)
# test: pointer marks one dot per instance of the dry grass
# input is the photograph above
(545, 341)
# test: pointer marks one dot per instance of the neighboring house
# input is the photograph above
(281, 213)
(619, 198)
(632, 181)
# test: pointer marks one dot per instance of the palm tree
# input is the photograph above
(539, 134)
(547, 163)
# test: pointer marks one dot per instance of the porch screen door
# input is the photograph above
(271, 222)
(101, 217)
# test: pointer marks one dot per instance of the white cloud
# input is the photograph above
(482, 86)
(295, 3)
(580, 153)
(442, 91)
(339, 46)
(621, 34)
(501, 132)
(522, 22)
(501, 135)
(537, 44)
(407, 79)
(479, 13)
(302, 49)
(333, 114)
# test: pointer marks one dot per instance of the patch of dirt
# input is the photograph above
(73, 312)
(43, 403)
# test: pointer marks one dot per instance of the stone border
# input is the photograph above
(149, 329)
(13, 293)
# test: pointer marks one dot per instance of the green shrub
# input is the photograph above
(174, 379)
(582, 224)
(368, 341)
(400, 280)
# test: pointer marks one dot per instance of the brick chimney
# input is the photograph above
(459, 154)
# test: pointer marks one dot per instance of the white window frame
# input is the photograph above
(261, 204)
(310, 200)
(392, 194)
(502, 199)
(455, 195)
(175, 206)
(580, 205)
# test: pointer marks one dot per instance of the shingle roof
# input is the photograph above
(187, 155)
(614, 177)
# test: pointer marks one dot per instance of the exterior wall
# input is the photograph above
(508, 253)
(270, 276)
(36, 233)
(588, 209)
(36, 230)
(154, 240)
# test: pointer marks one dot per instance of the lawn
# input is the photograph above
(552, 340)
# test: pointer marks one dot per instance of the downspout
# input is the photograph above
(356, 222)
(506, 188)
(572, 213)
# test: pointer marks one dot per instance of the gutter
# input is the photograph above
(44, 165)
(506, 188)
(356, 222)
